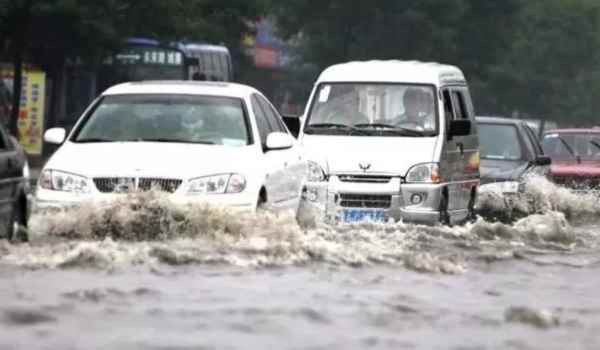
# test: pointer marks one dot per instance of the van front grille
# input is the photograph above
(350, 200)
(365, 178)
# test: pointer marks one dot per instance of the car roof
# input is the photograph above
(183, 87)
(573, 131)
(499, 120)
(393, 71)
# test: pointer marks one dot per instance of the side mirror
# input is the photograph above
(55, 135)
(542, 161)
(279, 140)
(459, 127)
(293, 123)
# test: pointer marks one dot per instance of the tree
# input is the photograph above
(49, 32)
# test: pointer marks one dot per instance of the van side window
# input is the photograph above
(460, 107)
(448, 105)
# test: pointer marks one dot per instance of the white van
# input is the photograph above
(391, 140)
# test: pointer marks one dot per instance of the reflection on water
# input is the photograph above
(245, 280)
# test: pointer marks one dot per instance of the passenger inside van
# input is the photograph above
(418, 110)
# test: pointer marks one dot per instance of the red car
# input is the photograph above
(575, 157)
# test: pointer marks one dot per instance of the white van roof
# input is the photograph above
(393, 71)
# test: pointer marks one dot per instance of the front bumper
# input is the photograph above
(399, 201)
(46, 200)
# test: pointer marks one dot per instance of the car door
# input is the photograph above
(273, 160)
(292, 166)
(10, 175)
(461, 151)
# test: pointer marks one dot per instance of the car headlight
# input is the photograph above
(217, 184)
(62, 181)
(315, 173)
(424, 173)
(503, 187)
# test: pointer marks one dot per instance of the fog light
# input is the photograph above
(416, 198)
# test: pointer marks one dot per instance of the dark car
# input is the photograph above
(509, 153)
(14, 188)
(575, 157)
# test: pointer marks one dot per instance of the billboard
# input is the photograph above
(32, 108)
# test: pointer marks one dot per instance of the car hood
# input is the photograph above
(571, 168)
(150, 159)
(368, 154)
(501, 170)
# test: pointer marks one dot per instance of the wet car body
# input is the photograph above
(575, 158)
(15, 193)
(198, 142)
(510, 153)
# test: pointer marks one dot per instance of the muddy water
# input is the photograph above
(143, 274)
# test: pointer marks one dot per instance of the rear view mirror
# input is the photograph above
(293, 123)
(55, 135)
(279, 140)
(543, 161)
(459, 127)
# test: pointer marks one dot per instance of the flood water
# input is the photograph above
(142, 274)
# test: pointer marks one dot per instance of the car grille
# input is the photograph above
(578, 183)
(365, 178)
(349, 200)
(128, 184)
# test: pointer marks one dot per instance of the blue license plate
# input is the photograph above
(357, 215)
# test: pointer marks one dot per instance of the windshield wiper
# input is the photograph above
(94, 139)
(174, 141)
(350, 128)
(596, 144)
(393, 128)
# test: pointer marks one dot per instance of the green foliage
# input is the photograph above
(536, 57)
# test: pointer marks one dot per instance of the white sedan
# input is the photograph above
(220, 143)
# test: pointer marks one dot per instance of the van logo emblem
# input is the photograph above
(364, 166)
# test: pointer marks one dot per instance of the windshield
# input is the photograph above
(499, 142)
(406, 109)
(567, 146)
(167, 118)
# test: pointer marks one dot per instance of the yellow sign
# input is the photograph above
(31, 111)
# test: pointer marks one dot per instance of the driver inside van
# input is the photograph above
(418, 110)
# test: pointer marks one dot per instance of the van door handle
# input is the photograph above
(461, 148)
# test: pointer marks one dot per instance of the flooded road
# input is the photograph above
(141, 274)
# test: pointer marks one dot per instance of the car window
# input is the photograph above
(264, 128)
(409, 108)
(448, 111)
(272, 116)
(529, 143)
(534, 140)
(564, 146)
(5, 143)
(167, 118)
(460, 108)
(499, 142)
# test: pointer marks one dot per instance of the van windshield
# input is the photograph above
(373, 109)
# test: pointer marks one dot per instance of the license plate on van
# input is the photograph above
(358, 215)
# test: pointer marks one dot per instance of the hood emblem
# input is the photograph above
(364, 166)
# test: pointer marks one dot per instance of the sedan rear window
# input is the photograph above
(167, 118)
(498, 141)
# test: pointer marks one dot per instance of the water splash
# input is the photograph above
(148, 229)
